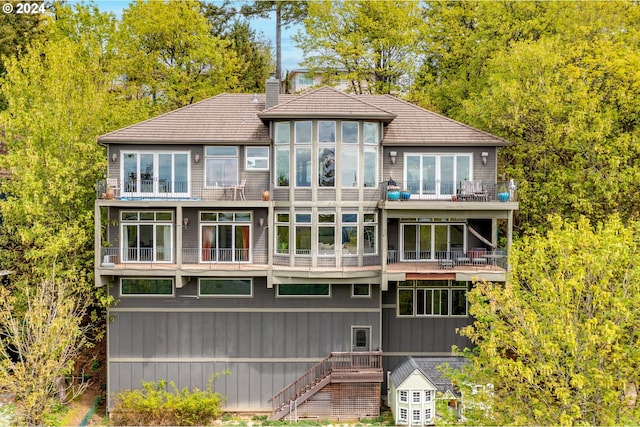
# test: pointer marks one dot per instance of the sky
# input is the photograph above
(290, 54)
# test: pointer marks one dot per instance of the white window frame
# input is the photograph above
(413, 286)
(438, 192)
(250, 160)
(208, 158)
(135, 187)
(403, 396)
(416, 397)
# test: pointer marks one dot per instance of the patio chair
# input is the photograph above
(114, 184)
(239, 189)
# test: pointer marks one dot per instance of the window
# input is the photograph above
(370, 166)
(349, 234)
(221, 166)
(370, 233)
(257, 158)
(415, 396)
(303, 290)
(415, 416)
(303, 234)
(283, 133)
(303, 166)
(361, 290)
(303, 80)
(302, 132)
(427, 415)
(349, 132)
(349, 170)
(282, 233)
(403, 416)
(371, 135)
(225, 236)
(224, 287)
(432, 241)
(282, 140)
(142, 286)
(419, 298)
(326, 132)
(428, 396)
(326, 166)
(404, 396)
(155, 174)
(147, 236)
(436, 175)
(326, 233)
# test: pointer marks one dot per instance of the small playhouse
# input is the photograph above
(414, 386)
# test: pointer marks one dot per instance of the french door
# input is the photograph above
(155, 174)
(436, 175)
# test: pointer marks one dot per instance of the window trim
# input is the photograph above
(328, 295)
(123, 295)
(209, 157)
(414, 285)
(353, 288)
(247, 158)
(250, 295)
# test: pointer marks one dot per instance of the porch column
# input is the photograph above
(384, 249)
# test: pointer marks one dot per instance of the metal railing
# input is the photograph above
(464, 191)
(253, 190)
(471, 257)
(204, 258)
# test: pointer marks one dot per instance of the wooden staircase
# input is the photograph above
(343, 367)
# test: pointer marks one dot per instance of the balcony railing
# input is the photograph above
(325, 258)
(475, 257)
(464, 191)
(204, 258)
(253, 190)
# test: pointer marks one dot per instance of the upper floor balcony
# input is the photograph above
(160, 189)
(464, 191)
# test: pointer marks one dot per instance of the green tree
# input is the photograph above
(557, 79)
(374, 45)
(42, 333)
(559, 341)
(17, 31)
(169, 54)
(253, 54)
(286, 12)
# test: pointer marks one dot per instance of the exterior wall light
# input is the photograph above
(114, 157)
(261, 222)
(485, 156)
(196, 158)
(185, 223)
(393, 156)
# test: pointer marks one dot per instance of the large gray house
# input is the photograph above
(305, 243)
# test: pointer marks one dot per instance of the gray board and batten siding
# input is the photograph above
(265, 341)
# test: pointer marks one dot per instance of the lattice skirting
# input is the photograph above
(343, 401)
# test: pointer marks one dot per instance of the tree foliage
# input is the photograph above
(168, 53)
(374, 45)
(559, 341)
(557, 79)
(41, 332)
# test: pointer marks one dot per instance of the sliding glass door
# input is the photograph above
(436, 175)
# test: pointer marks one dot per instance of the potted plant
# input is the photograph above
(405, 194)
(503, 192)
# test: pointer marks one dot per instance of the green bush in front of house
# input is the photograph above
(163, 404)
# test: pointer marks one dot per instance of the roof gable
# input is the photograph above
(327, 102)
(430, 368)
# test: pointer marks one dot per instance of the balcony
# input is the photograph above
(465, 191)
(326, 259)
(252, 190)
(192, 258)
(473, 260)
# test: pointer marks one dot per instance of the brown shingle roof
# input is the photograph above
(414, 125)
(234, 118)
(327, 102)
(222, 118)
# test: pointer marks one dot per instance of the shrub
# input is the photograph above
(163, 404)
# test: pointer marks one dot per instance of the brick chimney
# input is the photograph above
(273, 90)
